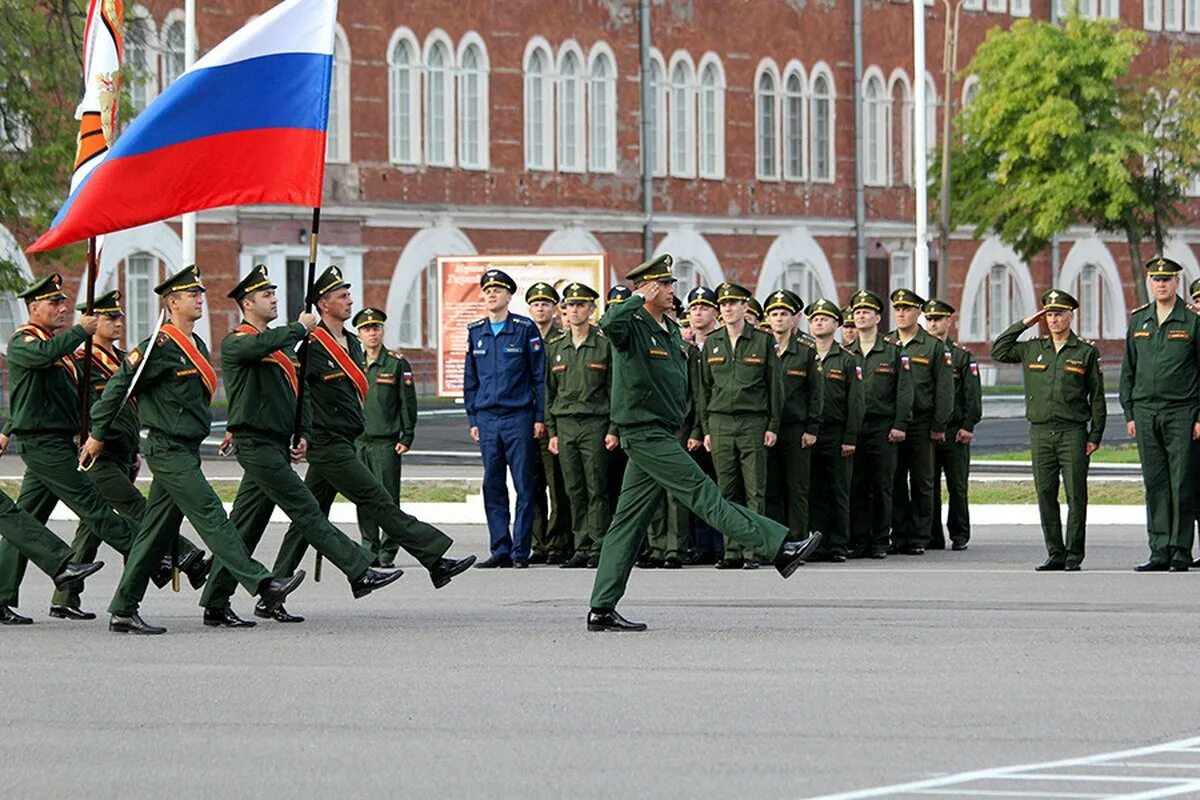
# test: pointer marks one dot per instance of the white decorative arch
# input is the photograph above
(1181, 252)
(1093, 251)
(425, 246)
(572, 240)
(685, 243)
(12, 310)
(793, 246)
(991, 252)
(970, 87)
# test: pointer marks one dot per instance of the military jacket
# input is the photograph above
(843, 403)
(932, 378)
(262, 391)
(968, 393)
(1062, 386)
(649, 368)
(44, 381)
(803, 388)
(390, 411)
(741, 379)
(124, 436)
(691, 427)
(337, 382)
(578, 379)
(1161, 366)
(887, 383)
(507, 371)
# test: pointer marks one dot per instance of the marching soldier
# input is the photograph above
(933, 401)
(1064, 403)
(174, 383)
(389, 422)
(578, 380)
(263, 384)
(1160, 383)
(953, 456)
(552, 515)
(741, 401)
(849, 332)
(789, 463)
(842, 410)
(649, 383)
(504, 386)
(888, 394)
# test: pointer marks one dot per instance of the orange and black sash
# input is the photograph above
(107, 363)
(207, 374)
(38, 332)
(285, 363)
(344, 361)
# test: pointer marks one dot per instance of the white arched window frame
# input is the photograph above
(141, 58)
(404, 93)
(996, 302)
(602, 109)
(795, 123)
(683, 116)
(472, 102)
(656, 148)
(173, 48)
(438, 107)
(900, 112)
(1019, 8)
(711, 118)
(337, 139)
(766, 121)
(1173, 15)
(1091, 273)
(970, 90)
(143, 271)
(539, 106)
(1191, 16)
(876, 130)
(931, 126)
(570, 109)
(1152, 15)
(824, 121)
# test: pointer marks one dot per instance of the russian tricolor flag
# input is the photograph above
(246, 124)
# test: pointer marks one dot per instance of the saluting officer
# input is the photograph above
(1064, 403)
(552, 515)
(1160, 395)
(842, 409)
(578, 384)
(888, 392)
(789, 463)
(933, 401)
(504, 387)
(741, 401)
(953, 455)
(389, 422)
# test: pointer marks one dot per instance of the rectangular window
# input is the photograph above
(141, 276)
(1110, 9)
(997, 6)
(1173, 15)
(999, 304)
(1089, 303)
(1019, 8)
(768, 166)
(900, 275)
(1152, 11)
(973, 5)
(822, 165)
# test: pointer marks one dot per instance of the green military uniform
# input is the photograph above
(1064, 403)
(649, 385)
(950, 457)
(44, 381)
(933, 402)
(552, 517)
(741, 399)
(389, 418)
(261, 380)
(842, 410)
(789, 462)
(888, 397)
(670, 537)
(1160, 393)
(337, 385)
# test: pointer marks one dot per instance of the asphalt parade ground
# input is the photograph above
(939, 671)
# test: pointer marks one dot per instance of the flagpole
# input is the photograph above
(85, 381)
(298, 422)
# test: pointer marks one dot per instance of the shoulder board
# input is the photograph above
(161, 340)
(519, 320)
(556, 337)
(477, 323)
(1139, 308)
(397, 354)
(596, 329)
(890, 340)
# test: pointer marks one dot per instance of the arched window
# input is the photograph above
(656, 148)
(141, 59)
(473, 106)
(403, 75)
(687, 276)
(998, 304)
(570, 113)
(683, 120)
(337, 140)
(767, 126)
(1089, 290)
(900, 130)
(875, 124)
(793, 127)
(802, 279)
(970, 90)
(822, 128)
(539, 102)
(602, 114)
(931, 128)
(142, 274)
(439, 104)
(173, 57)
(712, 120)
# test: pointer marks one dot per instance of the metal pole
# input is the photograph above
(189, 58)
(85, 383)
(1055, 264)
(647, 143)
(860, 203)
(951, 65)
(298, 422)
(921, 246)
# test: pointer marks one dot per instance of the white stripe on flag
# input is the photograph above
(295, 26)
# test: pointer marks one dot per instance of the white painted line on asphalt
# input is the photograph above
(1066, 776)
(1173, 791)
(1002, 793)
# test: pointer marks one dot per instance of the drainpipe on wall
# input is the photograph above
(647, 167)
(1055, 266)
(860, 207)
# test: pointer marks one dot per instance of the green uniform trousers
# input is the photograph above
(829, 510)
(379, 456)
(551, 516)
(658, 464)
(789, 476)
(33, 540)
(912, 494)
(52, 474)
(871, 488)
(1059, 448)
(334, 468)
(670, 534)
(1168, 456)
(268, 481)
(584, 462)
(179, 490)
(954, 461)
(740, 459)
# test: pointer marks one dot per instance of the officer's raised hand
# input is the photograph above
(89, 322)
(309, 321)
(1033, 320)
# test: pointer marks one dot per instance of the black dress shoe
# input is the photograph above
(495, 562)
(278, 613)
(792, 554)
(133, 623)
(447, 568)
(837, 558)
(520, 563)
(554, 558)
(10, 617)
(730, 563)
(611, 621)
(374, 579)
(879, 553)
(958, 546)
(70, 612)
(577, 561)
(752, 563)
(913, 551)
(1072, 568)
(1178, 568)
(73, 573)
(645, 563)
(537, 558)
(273, 591)
(1151, 566)
(671, 562)
(593, 561)
(1050, 565)
(893, 550)
(225, 618)
(197, 571)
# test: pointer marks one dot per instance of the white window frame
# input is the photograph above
(767, 69)
(438, 40)
(173, 52)
(1019, 8)
(337, 142)
(711, 132)
(1090, 296)
(1152, 15)
(148, 46)
(794, 71)
(406, 38)
(1191, 16)
(1109, 9)
(472, 41)
(970, 90)
(821, 70)
(140, 310)
(577, 139)
(997, 6)
(682, 145)
(878, 151)
(899, 78)
(602, 110)
(972, 5)
(539, 87)
(1173, 15)
(658, 125)
(900, 270)
(931, 121)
